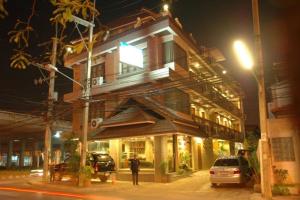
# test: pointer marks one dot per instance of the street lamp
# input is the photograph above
(243, 54)
(245, 58)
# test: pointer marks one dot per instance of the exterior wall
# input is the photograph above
(284, 127)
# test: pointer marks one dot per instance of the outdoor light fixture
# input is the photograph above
(166, 7)
(198, 140)
(57, 134)
(69, 49)
(224, 72)
(243, 54)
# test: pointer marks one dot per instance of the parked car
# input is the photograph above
(233, 169)
(102, 163)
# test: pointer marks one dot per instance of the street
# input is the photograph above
(195, 187)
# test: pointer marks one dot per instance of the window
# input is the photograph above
(172, 52)
(99, 146)
(98, 70)
(178, 100)
(142, 147)
(283, 149)
(227, 162)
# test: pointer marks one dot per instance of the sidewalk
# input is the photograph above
(257, 196)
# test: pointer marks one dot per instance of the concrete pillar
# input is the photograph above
(232, 148)
(207, 153)
(35, 155)
(22, 153)
(195, 156)
(160, 156)
(62, 150)
(114, 151)
(9, 153)
(176, 154)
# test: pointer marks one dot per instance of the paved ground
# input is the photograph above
(195, 187)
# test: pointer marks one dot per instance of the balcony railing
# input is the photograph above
(206, 90)
(218, 131)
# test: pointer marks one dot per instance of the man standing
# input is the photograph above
(135, 166)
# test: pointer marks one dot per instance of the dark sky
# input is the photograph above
(214, 23)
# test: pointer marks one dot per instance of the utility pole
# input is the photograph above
(265, 158)
(86, 95)
(49, 117)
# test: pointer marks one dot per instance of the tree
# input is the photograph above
(24, 31)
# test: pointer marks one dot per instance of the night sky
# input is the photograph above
(213, 23)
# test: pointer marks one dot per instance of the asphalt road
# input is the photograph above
(192, 188)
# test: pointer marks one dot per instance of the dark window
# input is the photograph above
(98, 71)
(227, 162)
(172, 52)
(177, 100)
(283, 149)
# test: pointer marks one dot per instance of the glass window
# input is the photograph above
(172, 52)
(283, 149)
(227, 162)
(98, 70)
(142, 147)
(99, 146)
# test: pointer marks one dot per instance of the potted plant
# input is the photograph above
(86, 173)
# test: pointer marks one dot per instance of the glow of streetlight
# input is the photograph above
(243, 54)
(166, 7)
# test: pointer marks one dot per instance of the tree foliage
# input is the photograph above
(3, 11)
(63, 10)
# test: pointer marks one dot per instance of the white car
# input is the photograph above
(233, 169)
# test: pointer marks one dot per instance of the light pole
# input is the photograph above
(246, 61)
(265, 153)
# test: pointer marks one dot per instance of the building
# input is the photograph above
(283, 130)
(157, 94)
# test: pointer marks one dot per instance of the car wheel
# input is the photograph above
(103, 178)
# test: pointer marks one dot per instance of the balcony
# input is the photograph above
(214, 130)
(206, 90)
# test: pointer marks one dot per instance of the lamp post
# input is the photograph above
(265, 153)
(245, 58)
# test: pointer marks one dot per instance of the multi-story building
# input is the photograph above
(157, 94)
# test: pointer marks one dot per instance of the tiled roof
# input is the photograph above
(137, 120)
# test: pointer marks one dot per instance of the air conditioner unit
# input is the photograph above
(96, 122)
(97, 81)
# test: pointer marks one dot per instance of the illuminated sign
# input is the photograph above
(131, 55)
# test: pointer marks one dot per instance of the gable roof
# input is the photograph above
(145, 117)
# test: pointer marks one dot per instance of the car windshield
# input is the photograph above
(227, 162)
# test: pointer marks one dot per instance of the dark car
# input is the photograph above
(102, 163)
